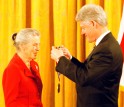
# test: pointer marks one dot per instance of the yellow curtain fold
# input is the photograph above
(80, 48)
(114, 12)
(12, 19)
(41, 19)
(2, 43)
(70, 42)
(60, 31)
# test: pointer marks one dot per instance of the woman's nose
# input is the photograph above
(37, 47)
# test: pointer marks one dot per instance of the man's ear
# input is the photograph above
(94, 23)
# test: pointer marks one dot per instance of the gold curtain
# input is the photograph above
(55, 19)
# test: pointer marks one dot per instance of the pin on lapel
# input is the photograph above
(36, 67)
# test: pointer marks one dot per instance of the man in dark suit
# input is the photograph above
(97, 78)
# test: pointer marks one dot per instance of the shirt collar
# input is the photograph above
(101, 37)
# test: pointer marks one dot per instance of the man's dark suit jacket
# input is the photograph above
(97, 78)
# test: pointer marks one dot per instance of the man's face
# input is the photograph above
(88, 30)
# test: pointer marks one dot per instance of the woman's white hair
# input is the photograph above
(24, 36)
(92, 12)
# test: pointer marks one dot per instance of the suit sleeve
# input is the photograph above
(88, 72)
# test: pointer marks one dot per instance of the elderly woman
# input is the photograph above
(22, 84)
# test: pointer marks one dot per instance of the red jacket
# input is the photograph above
(22, 87)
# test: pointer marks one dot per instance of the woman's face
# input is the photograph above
(30, 49)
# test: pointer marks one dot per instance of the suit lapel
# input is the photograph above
(35, 68)
(28, 73)
(88, 58)
(104, 39)
(35, 72)
(24, 69)
(109, 35)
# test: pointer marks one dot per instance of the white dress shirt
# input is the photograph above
(101, 37)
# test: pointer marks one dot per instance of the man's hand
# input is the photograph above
(66, 53)
(56, 53)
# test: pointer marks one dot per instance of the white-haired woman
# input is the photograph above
(22, 83)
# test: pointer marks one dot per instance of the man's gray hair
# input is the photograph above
(92, 12)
